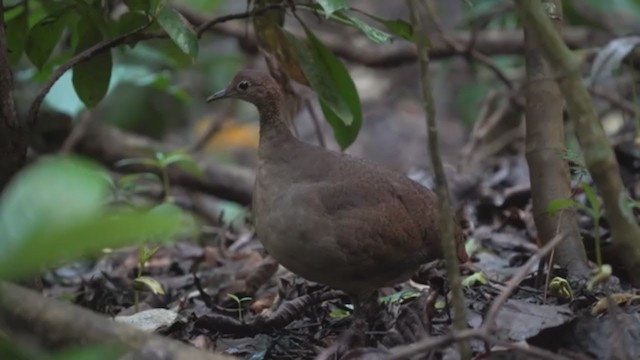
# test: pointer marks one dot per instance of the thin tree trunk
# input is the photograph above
(548, 172)
(13, 139)
(599, 156)
(418, 14)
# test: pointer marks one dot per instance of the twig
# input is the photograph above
(447, 227)
(431, 343)
(211, 23)
(469, 51)
(76, 134)
(618, 350)
(213, 129)
(622, 104)
(511, 285)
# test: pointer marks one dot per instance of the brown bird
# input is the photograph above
(330, 217)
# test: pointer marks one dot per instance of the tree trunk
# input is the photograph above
(548, 172)
(593, 141)
(13, 134)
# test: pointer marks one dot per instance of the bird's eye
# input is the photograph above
(243, 85)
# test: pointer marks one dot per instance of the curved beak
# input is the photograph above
(218, 95)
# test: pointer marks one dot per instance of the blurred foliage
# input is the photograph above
(57, 210)
(13, 351)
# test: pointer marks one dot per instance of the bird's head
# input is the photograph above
(253, 86)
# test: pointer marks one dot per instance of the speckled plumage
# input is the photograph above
(330, 217)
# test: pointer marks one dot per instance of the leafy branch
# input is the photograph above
(128, 38)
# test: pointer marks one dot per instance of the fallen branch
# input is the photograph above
(58, 324)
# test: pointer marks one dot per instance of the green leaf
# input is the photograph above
(179, 30)
(474, 279)
(398, 27)
(16, 33)
(594, 200)
(147, 283)
(129, 182)
(92, 11)
(234, 297)
(183, 161)
(130, 21)
(559, 204)
(330, 79)
(35, 197)
(139, 161)
(44, 36)
(91, 78)
(138, 5)
(91, 352)
(331, 6)
(147, 253)
(49, 247)
(399, 297)
(339, 314)
(372, 33)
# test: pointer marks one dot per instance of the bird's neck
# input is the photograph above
(274, 131)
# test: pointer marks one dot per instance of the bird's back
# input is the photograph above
(341, 220)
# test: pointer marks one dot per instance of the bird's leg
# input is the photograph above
(365, 313)
(363, 319)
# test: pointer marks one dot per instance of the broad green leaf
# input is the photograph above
(52, 193)
(54, 210)
(183, 161)
(138, 5)
(560, 204)
(191, 167)
(44, 36)
(48, 247)
(16, 32)
(398, 27)
(91, 78)
(206, 5)
(147, 283)
(330, 79)
(331, 6)
(92, 11)
(179, 30)
(130, 21)
(372, 33)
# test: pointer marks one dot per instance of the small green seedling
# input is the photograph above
(145, 283)
(398, 297)
(474, 279)
(595, 211)
(339, 314)
(239, 302)
(561, 288)
(161, 162)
